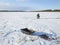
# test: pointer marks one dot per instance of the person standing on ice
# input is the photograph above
(38, 16)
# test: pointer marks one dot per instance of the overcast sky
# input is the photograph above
(29, 4)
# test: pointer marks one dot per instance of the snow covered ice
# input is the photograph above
(11, 24)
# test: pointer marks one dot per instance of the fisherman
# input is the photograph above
(38, 16)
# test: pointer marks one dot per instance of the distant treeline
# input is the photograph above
(30, 11)
(11, 11)
(47, 11)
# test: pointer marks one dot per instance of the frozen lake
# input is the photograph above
(12, 22)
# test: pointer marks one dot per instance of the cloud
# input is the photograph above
(2, 4)
(22, 0)
(5, 5)
(12, 6)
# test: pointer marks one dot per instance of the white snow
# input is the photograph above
(12, 22)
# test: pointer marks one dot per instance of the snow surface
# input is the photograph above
(12, 22)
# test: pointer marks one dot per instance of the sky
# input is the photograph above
(29, 4)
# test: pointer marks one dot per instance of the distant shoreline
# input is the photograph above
(30, 11)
